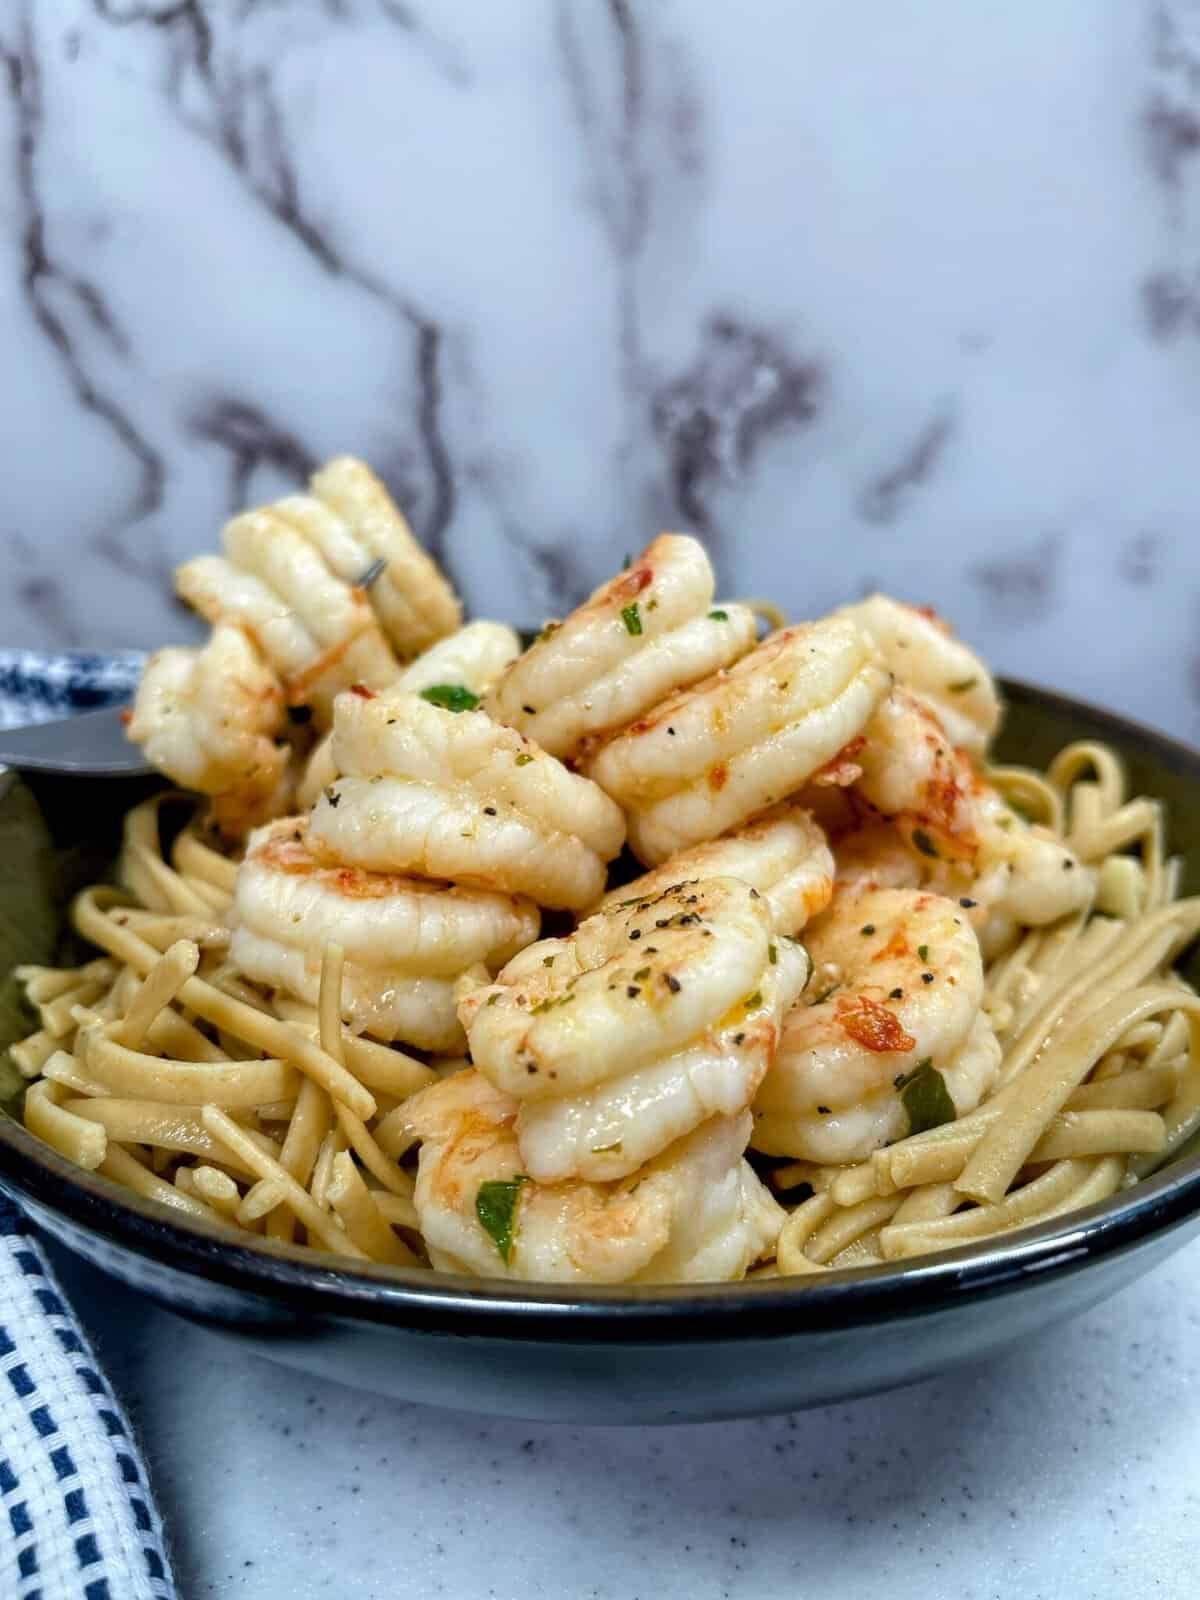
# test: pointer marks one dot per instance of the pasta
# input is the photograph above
(870, 999)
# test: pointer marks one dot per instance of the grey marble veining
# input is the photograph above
(903, 295)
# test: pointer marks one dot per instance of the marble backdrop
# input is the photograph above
(901, 294)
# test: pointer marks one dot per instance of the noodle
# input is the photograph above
(163, 1066)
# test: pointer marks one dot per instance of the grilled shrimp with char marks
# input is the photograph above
(697, 1213)
(783, 853)
(711, 756)
(456, 795)
(637, 638)
(897, 984)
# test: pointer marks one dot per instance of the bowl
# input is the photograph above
(647, 1355)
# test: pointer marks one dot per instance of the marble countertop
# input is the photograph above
(1066, 1470)
(902, 296)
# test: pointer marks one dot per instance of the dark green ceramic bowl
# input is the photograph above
(633, 1355)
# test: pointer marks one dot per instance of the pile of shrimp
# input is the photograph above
(817, 868)
(312, 594)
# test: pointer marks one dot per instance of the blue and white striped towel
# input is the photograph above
(77, 1518)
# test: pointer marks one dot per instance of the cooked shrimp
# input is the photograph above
(209, 719)
(611, 1129)
(456, 795)
(336, 614)
(1028, 874)
(628, 987)
(471, 659)
(709, 757)
(897, 985)
(925, 657)
(911, 773)
(642, 635)
(782, 853)
(697, 1213)
(973, 844)
(406, 939)
(319, 635)
(414, 602)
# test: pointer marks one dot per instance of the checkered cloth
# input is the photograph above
(40, 685)
(77, 1517)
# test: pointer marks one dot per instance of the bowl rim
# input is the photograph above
(316, 1283)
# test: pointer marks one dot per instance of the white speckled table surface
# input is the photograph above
(1067, 1470)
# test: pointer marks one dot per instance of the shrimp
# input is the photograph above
(710, 756)
(209, 719)
(897, 988)
(406, 939)
(627, 988)
(697, 1213)
(413, 600)
(455, 795)
(782, 853)
(613, 1128)
(972, 843)
(471, 659)
(911, 773)
(639, 637)
(925, 657)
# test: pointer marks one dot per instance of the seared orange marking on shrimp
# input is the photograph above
(870, 1024)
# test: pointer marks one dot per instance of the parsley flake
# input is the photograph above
(632, 618)
(718, 616)
(496, 1209)
(925, 1097)
(450, 696)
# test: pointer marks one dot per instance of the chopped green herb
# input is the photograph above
(961, 688)
(551, 1003)
(925, 1097)
(641, 975)
(772, 954)
(753, 1001)
(632, 618)
(524, 759)
(450, 696)
(496, 1209)
(547, 961)
(492, 998)
(652, 605)
(605, 1149)
(718, 616)
(924, 843)
(923, 951)
(627, 563)
(548, 631)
